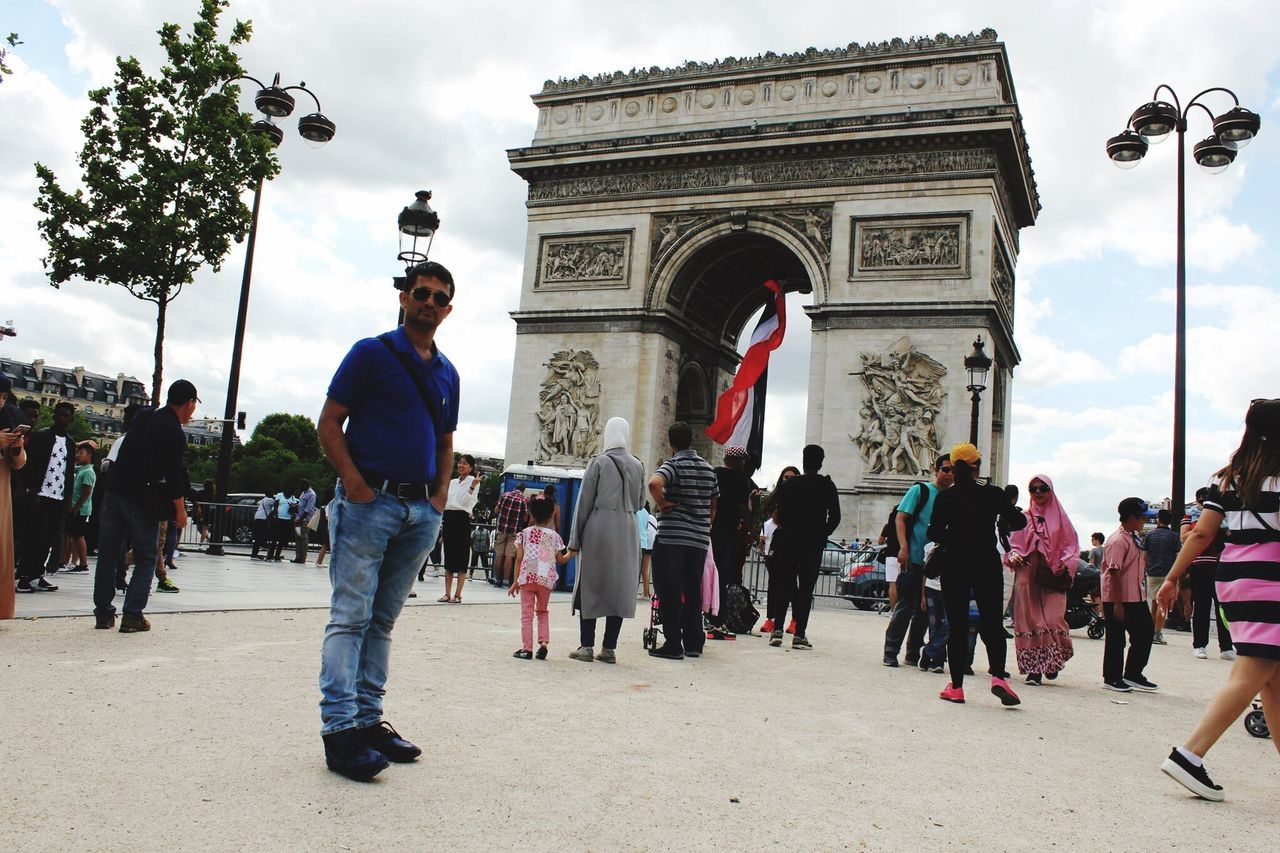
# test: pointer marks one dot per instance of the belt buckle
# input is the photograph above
(402, 487)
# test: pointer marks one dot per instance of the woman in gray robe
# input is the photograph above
(607, 542)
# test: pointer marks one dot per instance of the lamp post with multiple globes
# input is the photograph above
(316, 129)
(1152, 123)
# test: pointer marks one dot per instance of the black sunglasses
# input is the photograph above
(946, 469)
(1044, 490)
(439, 297)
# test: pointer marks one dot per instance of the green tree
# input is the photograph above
(13, 41)
(296, 433)
(163, 168)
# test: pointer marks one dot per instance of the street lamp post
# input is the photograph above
(274, 102)
(976, 365)
(416, 222)
(1152, 123)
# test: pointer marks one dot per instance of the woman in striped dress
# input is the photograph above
(1246, 496)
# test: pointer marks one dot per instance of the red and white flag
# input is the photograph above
(736, 406)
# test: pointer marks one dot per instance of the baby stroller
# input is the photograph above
(650, 636)
(1080, 612)
(1255, 722)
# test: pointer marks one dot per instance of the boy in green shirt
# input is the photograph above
(80, 507)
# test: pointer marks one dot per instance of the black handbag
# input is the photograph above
(1047, 577)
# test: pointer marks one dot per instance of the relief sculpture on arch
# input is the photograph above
(902, 405)
(569, 409)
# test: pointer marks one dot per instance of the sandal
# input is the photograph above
(444, 599)
(457, 599)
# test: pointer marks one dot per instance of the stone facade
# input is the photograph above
(890, 181)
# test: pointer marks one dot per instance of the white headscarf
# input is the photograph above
(617, 433)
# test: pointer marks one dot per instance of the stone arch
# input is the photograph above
(693, 394)
(667, 267)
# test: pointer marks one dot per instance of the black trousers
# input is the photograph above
(261, 539)
(797, 575)
(677, 577)
(1204, 605)
(612, 627)
(1141, 630)
(43, 540)
(906, 618)
(987, 588)
(281, 532)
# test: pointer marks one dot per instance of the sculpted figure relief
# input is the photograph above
(569, 408)
(584, 261)
(903, 398)
(935, 246)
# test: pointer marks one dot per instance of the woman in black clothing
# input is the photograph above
(964, 523)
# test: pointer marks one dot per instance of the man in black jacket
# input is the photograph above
(808, 509)
(146, 487)
(48, 476)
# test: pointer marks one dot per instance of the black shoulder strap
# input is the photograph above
(434, 407)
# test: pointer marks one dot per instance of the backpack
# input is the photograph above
(736, 610)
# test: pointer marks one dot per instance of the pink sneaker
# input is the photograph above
(952, 694)
(1000, 688)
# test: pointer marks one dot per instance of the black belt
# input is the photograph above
(404, 491)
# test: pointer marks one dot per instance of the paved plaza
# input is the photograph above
(203, 734)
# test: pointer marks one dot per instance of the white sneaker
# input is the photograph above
(1229, 654)
(1202, 653)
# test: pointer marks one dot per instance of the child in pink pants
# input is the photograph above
(538, 552)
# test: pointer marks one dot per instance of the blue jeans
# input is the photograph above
(122, 520)
(377, 548)
(936, 649)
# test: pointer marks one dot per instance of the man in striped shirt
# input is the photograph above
(684, 491)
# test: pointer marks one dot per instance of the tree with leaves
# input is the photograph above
(12, 41)
(164, 164)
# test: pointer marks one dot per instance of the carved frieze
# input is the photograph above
(731, 177)
(583, 261)
(902, 404)
(1001, 274)
(569, 409)
(910, 247)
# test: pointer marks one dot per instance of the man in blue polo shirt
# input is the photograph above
(399, 398)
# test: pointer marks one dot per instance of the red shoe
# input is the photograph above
(1001, 689)
(767, 627)
(952, 694)
(791, 627)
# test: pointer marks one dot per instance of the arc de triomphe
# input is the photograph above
(889, 180)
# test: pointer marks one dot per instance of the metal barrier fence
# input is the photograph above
(846, 574)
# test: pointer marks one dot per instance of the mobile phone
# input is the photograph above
(22, 428)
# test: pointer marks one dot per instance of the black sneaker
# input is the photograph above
(1138, 682)
(42, 585)
(1119, 686)
(666, 651)
(692, 653)
(541, 653)
(166, 585)
(386, 740)
(1193, 778)
(890, 660)
(24, 585)
(346, 753)
(522, 654)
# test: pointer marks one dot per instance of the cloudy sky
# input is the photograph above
(431, 95)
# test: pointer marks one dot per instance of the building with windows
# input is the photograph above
(93, 394)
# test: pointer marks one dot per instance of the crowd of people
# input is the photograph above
(387, 428)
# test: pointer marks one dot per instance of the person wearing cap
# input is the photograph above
(964, 526)
(147, 486)
(1124, 603)
(728, 544)
(397, 395)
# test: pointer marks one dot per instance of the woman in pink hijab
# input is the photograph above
(1041, 635)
